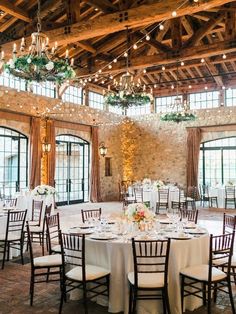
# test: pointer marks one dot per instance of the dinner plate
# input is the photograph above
(103, 236)
(85, 226)
(164, 221)
(197, 231)
(180, 237)
(81, 231)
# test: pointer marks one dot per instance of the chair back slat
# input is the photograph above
(91, 214)
(230, 192)
(10, 202)
(15, 223)
(229, 223)
(150, 257)
(163, 195)
(138, 194)
(52, 230)
(73, 249)
(37, 208)
(221, 251)
(191, 215)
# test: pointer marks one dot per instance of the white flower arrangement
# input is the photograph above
(147, 181)
(158, 184)
(43, 190)
(138, 212)
(49, 66)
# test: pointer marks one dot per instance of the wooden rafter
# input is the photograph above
(114, 22)
(186, 54)
(104, 5)
(13, 10)
(215, 73)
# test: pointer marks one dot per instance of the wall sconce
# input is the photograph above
(103, 149)
(46, 146)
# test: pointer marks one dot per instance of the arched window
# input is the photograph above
(72, 169)
(13, 161)
(217, 164)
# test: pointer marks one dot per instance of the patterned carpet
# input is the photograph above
(14, 279)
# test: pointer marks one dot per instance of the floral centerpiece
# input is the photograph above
(138, 212)
(41, 190)
(158, 184)
(147, 181)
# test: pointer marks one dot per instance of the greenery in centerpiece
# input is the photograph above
(125, 100)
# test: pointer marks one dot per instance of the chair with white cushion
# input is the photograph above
(229, 226)
(38, 231)
(13, 238)
(206, 279)
(79, 275)
(42, 267)
(180, 200)
(37, 209)
(149, 280)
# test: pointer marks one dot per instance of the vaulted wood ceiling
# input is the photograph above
(95, 33)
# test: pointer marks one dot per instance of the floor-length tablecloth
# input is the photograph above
(117, 257)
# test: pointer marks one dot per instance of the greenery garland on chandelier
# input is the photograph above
(40, 68)
(126, 100)
(39, 63)
(178, 117)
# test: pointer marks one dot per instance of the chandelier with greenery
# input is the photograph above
(127, 93)
(180, 110)
(39, 63)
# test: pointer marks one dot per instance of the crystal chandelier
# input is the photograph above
(126, 92)
(180, 110)
(39, 63)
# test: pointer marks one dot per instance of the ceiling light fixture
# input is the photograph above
(39, 63)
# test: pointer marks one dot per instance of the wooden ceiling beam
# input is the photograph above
(176, 33)
(104, 5)
(215, 73)
(114, 22)
(86, 46)
(206, 27)
(15, 11)
(186, 54)
(154, 43)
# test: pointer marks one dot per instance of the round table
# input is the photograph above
(116, 255)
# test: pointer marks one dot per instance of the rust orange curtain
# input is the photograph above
(35, 153)
(51, 137)
(95, 194)
(193, 149)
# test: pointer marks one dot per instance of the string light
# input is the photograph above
(224, 56)
(182, 63)
(202, 60)
(174, 13)
(161, 27)
(148, 37)
(115, 60)
(163, 68)
(126, 54)
(110, 66)
(135, 46)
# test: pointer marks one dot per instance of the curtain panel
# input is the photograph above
(35, 153)
(95, 193)
(51, 158)
(193, 150)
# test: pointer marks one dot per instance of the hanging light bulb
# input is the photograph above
(174, 13)
(135, 46)
(125, 54)
(163, 68)
(148, 37)
(161, 27)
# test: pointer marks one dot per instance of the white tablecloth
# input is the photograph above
(220, 193)
(25, 202)
(117, 257)
(151, 195)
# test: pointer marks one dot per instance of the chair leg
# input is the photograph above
(163, 302)
(43, 243)
(182, 293)
(108, 285)
(85, 298)
(234, 274)
(231, 296)
(215, 293)
(8, 251)
(4, 254)
(32, 288)
(21, 251)
(209, 299)
(204, 294)
(167, 301)
(134, 301)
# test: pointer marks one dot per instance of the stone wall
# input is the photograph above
(138, 147)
